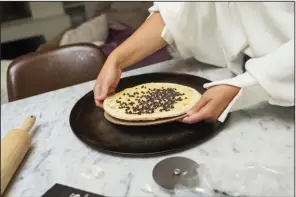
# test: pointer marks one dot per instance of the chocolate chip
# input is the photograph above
(162, 98)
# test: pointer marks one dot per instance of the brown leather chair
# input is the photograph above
(45, 71)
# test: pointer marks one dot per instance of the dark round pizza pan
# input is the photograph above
(89, 125)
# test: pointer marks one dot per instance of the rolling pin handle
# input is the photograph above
(28, 123)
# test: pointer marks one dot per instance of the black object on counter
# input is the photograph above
(59, 190)
(90, 126)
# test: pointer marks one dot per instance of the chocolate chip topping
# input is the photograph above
(162, 99)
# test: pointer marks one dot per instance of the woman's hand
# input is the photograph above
(212, 103)
(106, 82)
(137, 47)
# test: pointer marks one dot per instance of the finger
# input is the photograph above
(111, 90)
(97, 95)
(99, 104)
(103, 92)
(200, 115)
(198, 106)
(96, 90)
(194, 118)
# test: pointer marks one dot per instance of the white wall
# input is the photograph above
(48, 19)
(46, 9)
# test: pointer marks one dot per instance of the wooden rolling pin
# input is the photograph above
(14, 147)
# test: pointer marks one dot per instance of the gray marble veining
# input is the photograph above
(263, 135)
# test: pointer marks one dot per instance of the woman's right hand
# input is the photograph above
(137, 47)
(106, 82)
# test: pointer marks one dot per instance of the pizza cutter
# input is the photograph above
(175, 171)
(142, 123)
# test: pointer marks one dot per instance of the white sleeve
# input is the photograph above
(268, 78)
(166, 33)
(153, 8)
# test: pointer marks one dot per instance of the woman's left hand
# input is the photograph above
(212, 103)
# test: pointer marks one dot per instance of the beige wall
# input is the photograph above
(48, 19)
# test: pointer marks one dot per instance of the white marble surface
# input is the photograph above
(263, 135)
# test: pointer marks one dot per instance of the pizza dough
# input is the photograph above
(151, 101)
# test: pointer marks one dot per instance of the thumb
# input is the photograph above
(97, 90)
(104, 89)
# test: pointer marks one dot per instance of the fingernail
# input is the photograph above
(99, 98)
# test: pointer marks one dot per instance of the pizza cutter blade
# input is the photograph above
(175, 171)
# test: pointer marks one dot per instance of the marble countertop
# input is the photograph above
(262, 135)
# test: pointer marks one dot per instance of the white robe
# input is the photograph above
(221, 33)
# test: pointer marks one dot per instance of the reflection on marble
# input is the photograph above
(263, 135)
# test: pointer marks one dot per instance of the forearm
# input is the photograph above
(145, 41)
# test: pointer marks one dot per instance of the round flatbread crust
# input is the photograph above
(111, 105)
